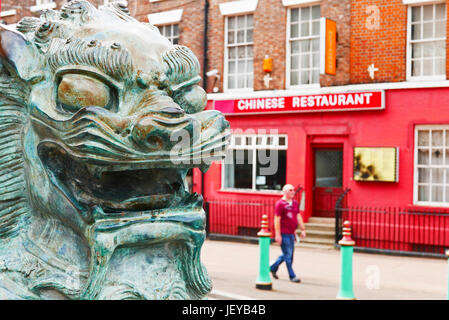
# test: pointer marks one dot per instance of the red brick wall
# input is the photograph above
(383, 45)
(340, 12)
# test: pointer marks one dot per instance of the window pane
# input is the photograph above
(316, 12)
(305, 46)
(423, 175)
(316, 28)
(427, 30)
(295, 47)
(232, 53)
(427, 67)
(437, 138)
(294, 78)
(328, 164)
(271, 169)
(305, 60)
(423, 156)
(316, 45)
(231, 37)
(315, 76)
(440, 11)
(305, 29)
(241, 52)
(416, 31)
(305, 77)
(437, 156)
(437, 175)
(240, 36)
(295, 62)
(241, 22)
(238, 174)
(427, 12)
(231, 23)
(294, 30)
(416, 50)
(437, 194)
(416, 67)
(423, 138)
(305, 14)
(440, 29)
(249, 36)
(416, 14)
(423, 193)
(294, 15)
(249, 21)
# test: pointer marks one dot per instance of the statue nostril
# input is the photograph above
(155, 142)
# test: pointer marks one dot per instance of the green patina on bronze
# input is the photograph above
(100, 120)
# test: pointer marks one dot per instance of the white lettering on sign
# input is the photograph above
(261, 104)
(331, 100)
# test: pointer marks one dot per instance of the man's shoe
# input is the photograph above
(273, 273)
(295, 279)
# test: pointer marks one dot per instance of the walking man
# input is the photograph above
(286, 220)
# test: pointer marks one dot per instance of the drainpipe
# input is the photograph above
(205, 48)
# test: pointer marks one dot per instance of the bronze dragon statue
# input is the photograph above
(101, 117)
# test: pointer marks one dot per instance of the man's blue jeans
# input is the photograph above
(288, 247)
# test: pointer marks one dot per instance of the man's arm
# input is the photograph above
(302, 226)
(277, 229)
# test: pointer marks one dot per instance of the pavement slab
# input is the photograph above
(233, 268)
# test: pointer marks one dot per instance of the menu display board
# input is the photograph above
(376, 164)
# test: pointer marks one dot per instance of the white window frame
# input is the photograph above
(304, 4)
(445, 182)
(225, 67)
(409, 76)
(253, 147)
(41, 5)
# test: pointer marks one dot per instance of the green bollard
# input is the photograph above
(263, 281)
(347, 249)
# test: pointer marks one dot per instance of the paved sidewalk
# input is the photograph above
(234, 266)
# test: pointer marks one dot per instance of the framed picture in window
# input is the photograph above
(376, 164)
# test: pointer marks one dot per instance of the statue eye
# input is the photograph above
(76, 91)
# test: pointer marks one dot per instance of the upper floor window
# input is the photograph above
(427, 42)
(171, 32)
(431, 185)
(303, 46)
(239, 52)
(41, 2)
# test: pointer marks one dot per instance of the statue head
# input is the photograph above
(101, 117)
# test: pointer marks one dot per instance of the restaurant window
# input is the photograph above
(427, 42)
(171, 32)
(303, 52)
(239, 52)
(431, 185)
(256, 162)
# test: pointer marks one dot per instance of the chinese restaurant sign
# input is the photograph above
(372, 100)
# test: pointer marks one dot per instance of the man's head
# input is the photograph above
(289, 192)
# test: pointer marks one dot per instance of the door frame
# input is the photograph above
(332, 142)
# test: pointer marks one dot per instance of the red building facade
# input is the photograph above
(378, 125)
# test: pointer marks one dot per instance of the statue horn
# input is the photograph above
(17, 54)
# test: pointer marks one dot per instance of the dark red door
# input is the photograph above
(327, 185)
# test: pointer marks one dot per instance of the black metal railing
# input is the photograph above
(338, 212)
(240, 218)
(403, 231)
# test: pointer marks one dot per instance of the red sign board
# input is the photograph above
(371, 100)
